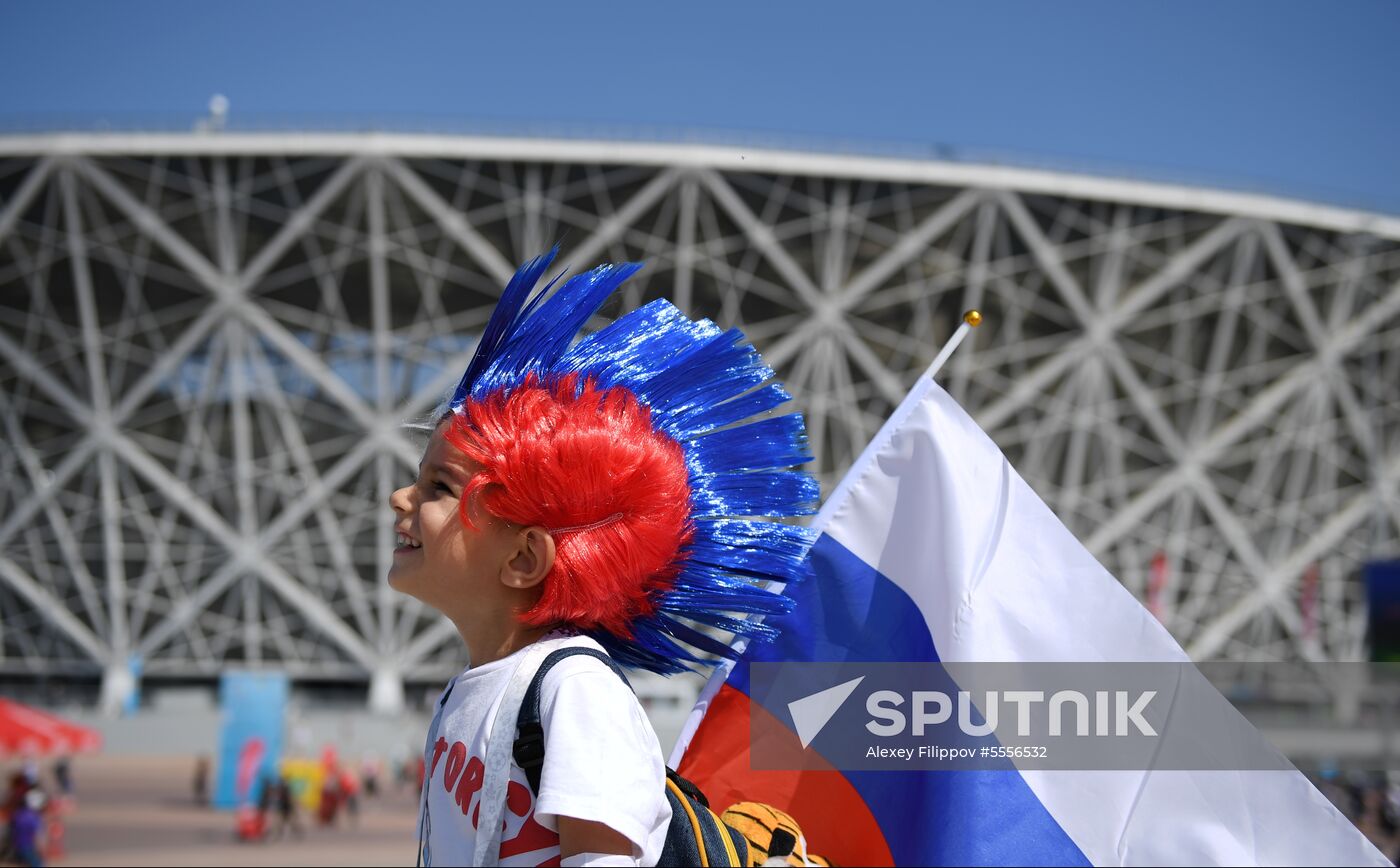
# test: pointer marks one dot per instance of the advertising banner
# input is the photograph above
(253, 705)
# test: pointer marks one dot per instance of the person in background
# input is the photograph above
(201, 780)
(350, 795)
(284, 803)
(20, 787)
(26, 826)
(331, 796)
(267, 795)
(369, 776)
(63, 776)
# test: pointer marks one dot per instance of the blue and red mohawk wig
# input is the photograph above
(633, 447)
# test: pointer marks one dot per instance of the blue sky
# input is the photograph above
(1293, 98)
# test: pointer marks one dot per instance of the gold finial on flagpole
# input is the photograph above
(971, 320)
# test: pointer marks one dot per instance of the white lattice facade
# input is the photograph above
(208, 344)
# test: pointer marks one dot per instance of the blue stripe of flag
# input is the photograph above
(849, 612)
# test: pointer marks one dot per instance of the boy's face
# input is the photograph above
(438, 559)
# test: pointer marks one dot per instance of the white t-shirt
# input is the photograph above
(602, 763)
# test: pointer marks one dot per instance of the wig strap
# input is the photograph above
(578, 528)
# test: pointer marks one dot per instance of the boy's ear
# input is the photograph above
(532, 560)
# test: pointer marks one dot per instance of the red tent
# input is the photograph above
(26, 731)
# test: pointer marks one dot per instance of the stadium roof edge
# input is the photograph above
(725, 157)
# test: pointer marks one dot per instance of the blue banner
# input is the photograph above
(1383, 600)
(253, 705)
(134, 665)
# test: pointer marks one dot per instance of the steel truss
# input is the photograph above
(208, 344)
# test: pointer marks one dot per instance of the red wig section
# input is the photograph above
(586, 464)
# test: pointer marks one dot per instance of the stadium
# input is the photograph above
(210, 343)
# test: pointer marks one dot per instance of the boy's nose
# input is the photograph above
(399, 501)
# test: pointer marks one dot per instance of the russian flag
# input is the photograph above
(934, 549)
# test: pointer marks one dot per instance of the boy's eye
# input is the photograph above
(441, 486)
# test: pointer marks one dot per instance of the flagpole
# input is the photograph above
(971, 320)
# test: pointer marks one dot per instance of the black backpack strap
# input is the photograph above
(529, 732)
(686, 787)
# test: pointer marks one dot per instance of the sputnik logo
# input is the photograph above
(811, 713)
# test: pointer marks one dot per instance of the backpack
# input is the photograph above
(696, 835)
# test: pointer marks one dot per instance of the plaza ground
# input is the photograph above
(135, 810)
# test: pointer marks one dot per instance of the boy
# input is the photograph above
(584, 496)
